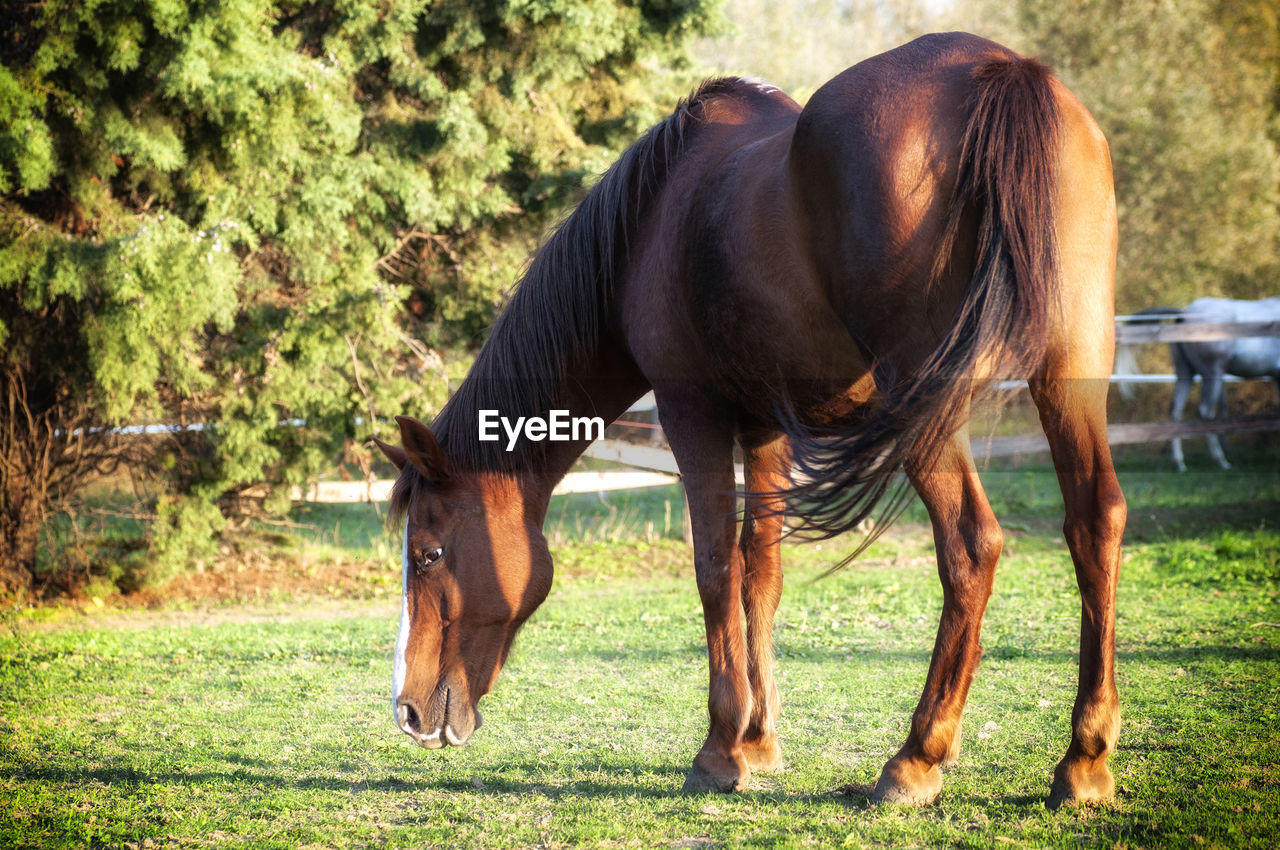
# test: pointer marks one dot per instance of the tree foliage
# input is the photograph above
(213, 214)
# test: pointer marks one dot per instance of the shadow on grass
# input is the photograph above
(610, 779)
(1163, 504)
(1119, 820)
(1147, 524)
(1183, 654)
(566, 787)
(791, 655)
(1164, 655)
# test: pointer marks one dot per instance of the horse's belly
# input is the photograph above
(1255, 357)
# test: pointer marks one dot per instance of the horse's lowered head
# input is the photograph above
(475, 566)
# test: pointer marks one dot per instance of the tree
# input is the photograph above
(213, 213)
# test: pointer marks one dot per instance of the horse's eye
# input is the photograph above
(430, 557)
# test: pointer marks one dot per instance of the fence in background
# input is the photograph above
(651, 464)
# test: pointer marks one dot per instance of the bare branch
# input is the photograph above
(364, 390)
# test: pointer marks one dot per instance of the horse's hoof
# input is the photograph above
(1079, 785)
(698, 781)
(906, 784)
(763, 755)
(713, 772)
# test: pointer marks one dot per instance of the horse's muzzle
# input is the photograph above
(442, 723)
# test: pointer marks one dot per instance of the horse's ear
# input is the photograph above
(422, 450)
(395, 454)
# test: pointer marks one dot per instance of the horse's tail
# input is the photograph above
(1007, 177)
(1184, 371)
(1126, 362)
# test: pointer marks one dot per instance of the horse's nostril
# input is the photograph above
(410, 720)
(407, 717)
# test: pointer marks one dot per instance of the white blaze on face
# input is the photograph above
(402, 641)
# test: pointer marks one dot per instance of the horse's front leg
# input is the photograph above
(701, 438)
(968, 540)
(768, 473)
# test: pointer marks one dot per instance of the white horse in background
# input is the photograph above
(1244, 357)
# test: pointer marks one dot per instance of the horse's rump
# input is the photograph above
(989, 247)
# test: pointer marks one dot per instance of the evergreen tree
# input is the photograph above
(212, 215)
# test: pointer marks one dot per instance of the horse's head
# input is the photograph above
(475, 566)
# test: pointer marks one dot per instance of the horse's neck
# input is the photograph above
(603, 386)
(608, 385)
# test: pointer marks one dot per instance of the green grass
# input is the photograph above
(271, 726)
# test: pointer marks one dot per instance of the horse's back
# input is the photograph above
(906, 103)
(1246, 357)
(1211, 308)
(875, 155)
(716, 293)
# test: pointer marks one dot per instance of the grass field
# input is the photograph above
(268, 724)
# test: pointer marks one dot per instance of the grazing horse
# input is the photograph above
(1245, 357)
(828, 287)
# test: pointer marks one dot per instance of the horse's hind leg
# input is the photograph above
(1217, 452)
(1070, 393)
(768, 472)
(1072, 406)
(968, 541)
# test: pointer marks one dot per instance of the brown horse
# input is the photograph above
(829, 287)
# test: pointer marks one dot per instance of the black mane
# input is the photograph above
(558, 314)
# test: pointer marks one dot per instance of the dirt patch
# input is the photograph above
(115, 617)
(271, 581)
(235, 591)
